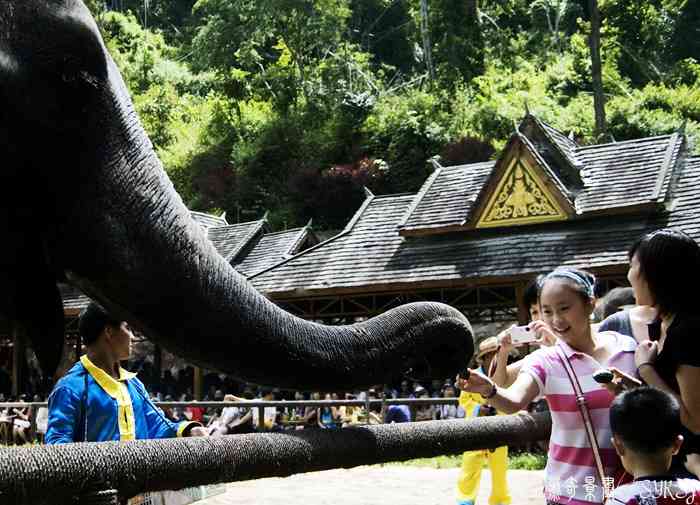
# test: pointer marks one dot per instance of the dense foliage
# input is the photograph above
(293, 106)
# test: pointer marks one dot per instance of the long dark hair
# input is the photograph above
(669, 261)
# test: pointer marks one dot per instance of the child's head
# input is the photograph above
(646, 427)
(567, 298)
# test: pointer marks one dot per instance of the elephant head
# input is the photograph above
(84, 197)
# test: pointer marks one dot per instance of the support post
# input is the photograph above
(18, 360)
(198, 383)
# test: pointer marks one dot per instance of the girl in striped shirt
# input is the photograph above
(566, 298)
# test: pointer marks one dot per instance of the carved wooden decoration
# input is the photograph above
(521, 197)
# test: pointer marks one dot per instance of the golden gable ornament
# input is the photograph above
(521, 197)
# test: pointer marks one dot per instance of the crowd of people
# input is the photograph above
(601, 367)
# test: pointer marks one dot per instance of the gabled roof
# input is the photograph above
(631, 176)
(372, 257)
(208, 220)
(628, 174)
(230, 240)
(446, 198)
(273, 248)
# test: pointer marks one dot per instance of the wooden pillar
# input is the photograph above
(19, 360)
(198, 383)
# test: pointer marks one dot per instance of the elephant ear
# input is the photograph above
(30, 298)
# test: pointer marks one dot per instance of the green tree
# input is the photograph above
(644, 30)
(456, 39)
(277, 50)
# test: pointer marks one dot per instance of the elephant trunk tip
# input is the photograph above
(443, 346)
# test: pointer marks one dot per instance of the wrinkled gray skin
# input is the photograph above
(84, 197)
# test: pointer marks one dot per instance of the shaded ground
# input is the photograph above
(370, 485)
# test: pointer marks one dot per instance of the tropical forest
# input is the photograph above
(293, 107)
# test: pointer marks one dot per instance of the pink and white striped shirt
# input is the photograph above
(570, 474)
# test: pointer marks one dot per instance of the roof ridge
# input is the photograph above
(421, 193)
(551, 173)
(541, 124)
(465, 166)
(629, 141)
(301, 236)
(348, 228)
(258, 225)
(289, 230)
(394, 195)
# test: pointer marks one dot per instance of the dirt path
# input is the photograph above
(373, 485)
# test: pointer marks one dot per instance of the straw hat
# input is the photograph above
(486, 346)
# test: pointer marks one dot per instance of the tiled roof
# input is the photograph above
(371, 255)
(273, 248)
(627, 173)
(207, 220)
(565, 145)
(447, 197)
(596, 178)
(232, 239)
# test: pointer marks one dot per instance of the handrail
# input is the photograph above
(276, 403)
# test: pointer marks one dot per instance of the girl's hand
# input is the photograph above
(646, 352)
(545, 335)
(692, 463)
(476, 383)
(505, 341)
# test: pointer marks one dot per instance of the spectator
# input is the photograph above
(97, 400)
(615, 300)
(311, 413)
(396, 413)
(22, 423)
(232, 419)
(42, 420)
(170, 412)
(473, 461)
(405, 391)
(567, 299)
(193, 412)
(423, 412)
(269, 414)
(646, 449)
(664, 272)
(450, 411)
(504, 374)
(327, 416)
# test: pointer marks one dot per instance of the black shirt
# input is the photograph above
(681, 347)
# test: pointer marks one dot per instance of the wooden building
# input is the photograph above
(474, 235)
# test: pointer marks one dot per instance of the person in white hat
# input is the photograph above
(475, 405)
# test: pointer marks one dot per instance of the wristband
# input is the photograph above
(648, 363)
(492, 393)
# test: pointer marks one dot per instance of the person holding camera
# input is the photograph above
(474, 405)
(580, 452)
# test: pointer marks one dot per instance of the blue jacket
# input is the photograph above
(87, 404)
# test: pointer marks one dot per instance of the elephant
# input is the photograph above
(85, 200)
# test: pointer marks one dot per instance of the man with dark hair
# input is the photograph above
(646, 426)
(97, 400)
(530, 298)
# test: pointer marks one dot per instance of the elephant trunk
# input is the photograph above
(144, 258)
